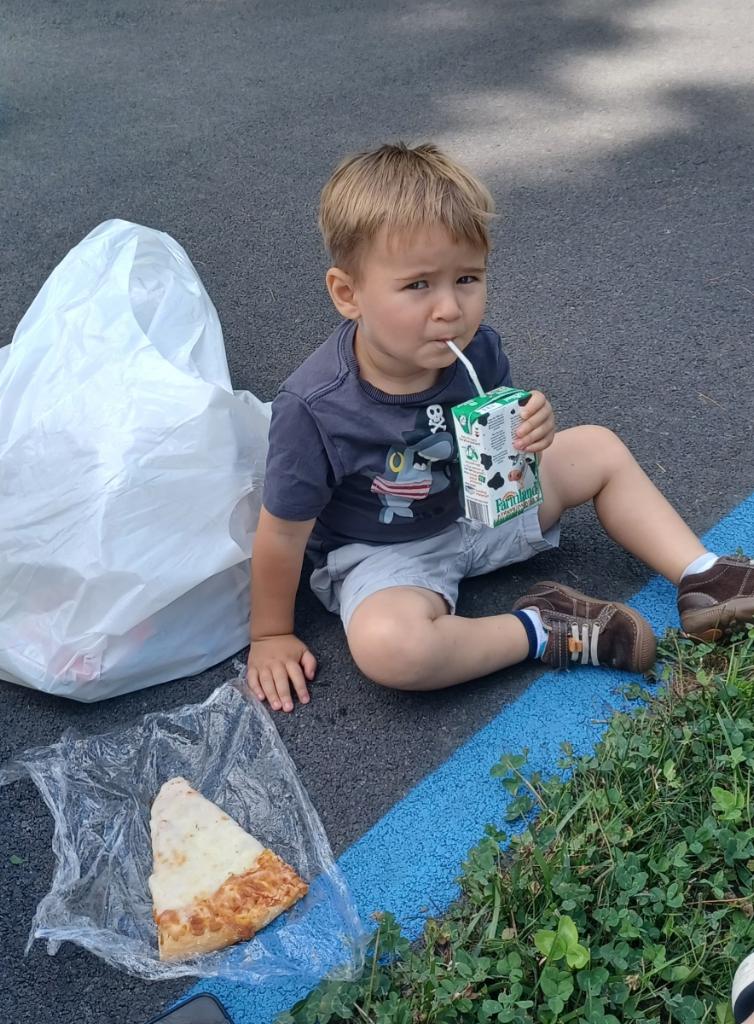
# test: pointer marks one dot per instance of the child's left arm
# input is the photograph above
(537, 424)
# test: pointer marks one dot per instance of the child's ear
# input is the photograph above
(342, 289)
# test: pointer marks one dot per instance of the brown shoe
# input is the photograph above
(715, 602)
(585, 631)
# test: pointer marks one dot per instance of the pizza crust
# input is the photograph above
(238, 910)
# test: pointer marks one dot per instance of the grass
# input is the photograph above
(627, 897)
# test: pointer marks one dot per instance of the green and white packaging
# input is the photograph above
(499, 481)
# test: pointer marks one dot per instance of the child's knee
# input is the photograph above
(598, 447)
(596, 438)
(606, 436)
(391, 650)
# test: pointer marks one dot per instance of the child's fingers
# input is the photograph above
(530, 406)
(543, 422)
(309, 664)
(542, 442)
(282, 685)
(537, 433)
(267, 682)
(544, 412)
(252, 678)
(539, 446)
(296, 676)
(538, 437)
(544, 433)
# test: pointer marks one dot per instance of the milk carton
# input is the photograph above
(499, 481)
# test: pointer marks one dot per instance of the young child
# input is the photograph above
(362, 472)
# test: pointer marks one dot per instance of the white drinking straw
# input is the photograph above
(472, 372)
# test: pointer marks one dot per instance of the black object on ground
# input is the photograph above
(201, 1009)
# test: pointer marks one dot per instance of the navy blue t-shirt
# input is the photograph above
(369, 466)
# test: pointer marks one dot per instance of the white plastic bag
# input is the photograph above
(130, 475)
(100, 790)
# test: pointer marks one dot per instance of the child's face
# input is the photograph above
(413, 294)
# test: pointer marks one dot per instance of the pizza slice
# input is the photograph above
(212, 883)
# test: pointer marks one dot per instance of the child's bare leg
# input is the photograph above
(591, 463)
(715, 595)
(404, 637)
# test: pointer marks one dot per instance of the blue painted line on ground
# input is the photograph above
(408, 862)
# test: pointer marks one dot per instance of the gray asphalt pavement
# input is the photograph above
(617, 138)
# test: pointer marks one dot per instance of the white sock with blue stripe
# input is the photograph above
(536, 633)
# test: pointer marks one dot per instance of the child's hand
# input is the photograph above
(538, 427)
(274, 663)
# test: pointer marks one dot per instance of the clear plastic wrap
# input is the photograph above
(130, 475)
(100, 791)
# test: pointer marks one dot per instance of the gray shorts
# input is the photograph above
(466, 548)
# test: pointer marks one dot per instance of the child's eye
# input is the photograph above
(416, 286)
(468, 279)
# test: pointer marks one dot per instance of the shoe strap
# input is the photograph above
(583, 645)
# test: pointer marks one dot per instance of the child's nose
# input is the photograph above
(447, 306)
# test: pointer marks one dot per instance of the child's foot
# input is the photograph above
(715, 602)
(742, 994)
(586, 631)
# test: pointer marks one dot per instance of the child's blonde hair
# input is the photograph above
(402, 189)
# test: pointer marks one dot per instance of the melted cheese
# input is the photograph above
(195, 845)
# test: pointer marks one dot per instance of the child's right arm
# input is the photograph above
(277, 657)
